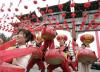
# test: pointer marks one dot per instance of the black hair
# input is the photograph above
(84, 44)
(3, 37)
(28, 35)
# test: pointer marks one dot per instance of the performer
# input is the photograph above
(22, 38)
(84, 67)
(64, 65)
(37, 61)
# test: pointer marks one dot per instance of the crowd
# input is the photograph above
(24, 38)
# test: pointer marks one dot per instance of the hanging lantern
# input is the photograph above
(43, 0)
(2, 10)
(72, 5)
(42, 12)
(86, 56)
(50, 11)
(26, 7)
(54, 56)
(12, 17)
(35, 2)
(73, 14)
(60, 6)
(9, 9)
(87, 38)
(48, 33)
(63, 15)
(96, 15)
(87, 5)
(16, 9)
(8, 18)
(61, 37)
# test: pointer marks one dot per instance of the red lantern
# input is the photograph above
(59, 38)
(60, 6)
(87, 5)
(86, 56)
(72, 5)
(50, 11)
(12, 17)
(2, 10)
(73, 14)
(35, 2)
(96, 15)
(43, 0)
(54, 56)
(8, 18)
(26, 7)
(16, 9)
(48, 33)
(87, 38)
(42, 12)
(63, 14)
(62, 37)
(9, 9)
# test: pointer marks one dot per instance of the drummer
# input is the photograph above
(83, 67)
(33, 61)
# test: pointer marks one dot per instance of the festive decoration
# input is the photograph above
(87, 39)
(48, 33)
(26, 7)
(72, 5)
(9, 9)
(87, 5)
(16, 9)
(86, 56)
(35, 2)
(54, 56)
(62, 37)
(60, 6)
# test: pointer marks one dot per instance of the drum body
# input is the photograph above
(86, 56)
(37, 53)
(54, 56)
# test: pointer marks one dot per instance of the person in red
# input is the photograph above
(38, 61)
(64, 65)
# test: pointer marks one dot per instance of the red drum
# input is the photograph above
(54, 56)
(37, 53)
(86, 56)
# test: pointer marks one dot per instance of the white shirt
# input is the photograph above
(22, 61)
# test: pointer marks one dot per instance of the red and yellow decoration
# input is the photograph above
(87, 38)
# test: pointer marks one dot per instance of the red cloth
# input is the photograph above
(6, 55)
(5, 67)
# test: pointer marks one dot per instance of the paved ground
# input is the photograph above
(35, 69)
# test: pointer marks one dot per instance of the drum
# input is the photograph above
(86, 56)
(54, 56)
(37, 53)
